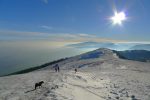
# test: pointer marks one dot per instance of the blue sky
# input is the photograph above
(77, 20)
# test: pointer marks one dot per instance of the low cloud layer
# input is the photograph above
(55, 37)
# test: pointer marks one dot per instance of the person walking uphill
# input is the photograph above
(56, 68)
(75, 70)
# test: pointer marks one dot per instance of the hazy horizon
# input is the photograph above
(18, 56)
(33, 32)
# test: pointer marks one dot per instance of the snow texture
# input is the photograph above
(104, 78)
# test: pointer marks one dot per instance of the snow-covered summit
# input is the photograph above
(98, 53)
(101, 75)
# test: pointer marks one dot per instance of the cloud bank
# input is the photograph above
(57, 37)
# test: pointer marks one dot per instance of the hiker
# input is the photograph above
(58, 68)
(75, 70)
(55, 69)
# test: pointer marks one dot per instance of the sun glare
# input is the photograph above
(118, 18)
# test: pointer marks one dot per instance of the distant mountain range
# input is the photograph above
(109, 45)
(137, 55)
(92, 45)
(141, 47)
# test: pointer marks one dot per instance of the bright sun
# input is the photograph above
(118, 18)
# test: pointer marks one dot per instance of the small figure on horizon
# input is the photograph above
(56, 68)
(75, 70)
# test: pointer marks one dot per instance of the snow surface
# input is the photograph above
(103, 78)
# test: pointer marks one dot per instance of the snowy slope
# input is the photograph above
(101, 76)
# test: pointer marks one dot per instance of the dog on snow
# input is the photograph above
(39, 84)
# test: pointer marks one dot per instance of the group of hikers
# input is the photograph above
(39, 84)
(57, 68)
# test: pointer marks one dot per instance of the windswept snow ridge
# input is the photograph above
(104, 77)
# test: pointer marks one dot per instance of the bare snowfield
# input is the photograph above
(104, 78)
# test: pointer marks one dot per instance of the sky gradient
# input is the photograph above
(74, 20)
(34, 32)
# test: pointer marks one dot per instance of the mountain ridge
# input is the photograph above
(102, 53)
(114, 46)
(101, 75)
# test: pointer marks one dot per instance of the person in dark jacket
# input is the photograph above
(58, 68)
(55, 69)
(75, 70)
